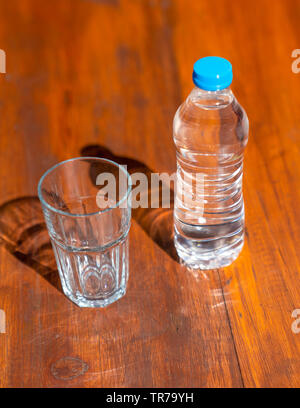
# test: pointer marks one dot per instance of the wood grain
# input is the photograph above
(107, 76)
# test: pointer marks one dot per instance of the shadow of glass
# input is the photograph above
(24, 234)
(156, 222)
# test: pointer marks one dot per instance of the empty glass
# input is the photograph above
(86, 204)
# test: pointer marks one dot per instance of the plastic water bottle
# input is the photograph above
(210, 134)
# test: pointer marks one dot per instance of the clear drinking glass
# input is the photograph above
(86, 204)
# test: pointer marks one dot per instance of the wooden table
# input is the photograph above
(104, 77)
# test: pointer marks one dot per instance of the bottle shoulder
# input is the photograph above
(211, 118)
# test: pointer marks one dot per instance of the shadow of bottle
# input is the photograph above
(156, 222)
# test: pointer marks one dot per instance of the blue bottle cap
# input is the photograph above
(212, 73)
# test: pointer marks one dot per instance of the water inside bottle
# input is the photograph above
(210, 134)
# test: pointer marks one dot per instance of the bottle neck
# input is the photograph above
(211, 99)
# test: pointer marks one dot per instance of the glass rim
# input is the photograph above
(102, 159)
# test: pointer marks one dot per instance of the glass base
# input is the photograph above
(80, 301)
(93, 278)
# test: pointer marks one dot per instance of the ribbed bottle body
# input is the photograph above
(210, 134)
